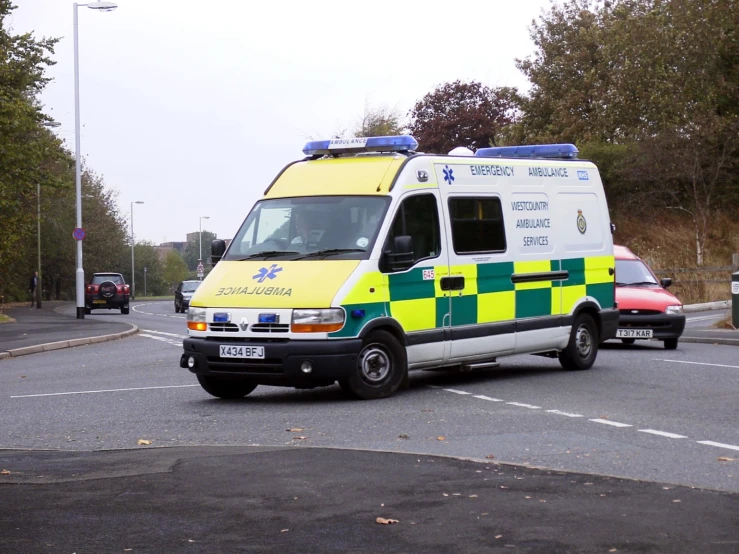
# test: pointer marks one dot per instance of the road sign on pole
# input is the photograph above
(201, 270)
(79, 234)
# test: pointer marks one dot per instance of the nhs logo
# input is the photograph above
(583, 175)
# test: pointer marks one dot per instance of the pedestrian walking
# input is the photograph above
(32, 284)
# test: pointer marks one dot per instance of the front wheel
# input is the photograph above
(381, 367)
(222, 388)
(582, 348)
(670, 344)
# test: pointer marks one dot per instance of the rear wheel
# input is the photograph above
(670, 344)
(88, 311)
(628, 341)
(381, 367)
(223, 388)
(124, 310)
(582, 349)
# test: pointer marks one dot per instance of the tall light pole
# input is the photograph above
(133, 273)
(80, 273)
(202, 217)
(39, 290)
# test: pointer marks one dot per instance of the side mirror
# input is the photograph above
(217, 248)
(401, 255)
(666, 282)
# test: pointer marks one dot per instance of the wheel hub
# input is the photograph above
(584, 341)
(374, 363)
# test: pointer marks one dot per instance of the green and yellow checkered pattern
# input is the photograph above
(489, 296)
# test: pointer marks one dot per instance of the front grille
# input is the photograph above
(270, 328)
(237, 365)
(224, 327)
(639, 312)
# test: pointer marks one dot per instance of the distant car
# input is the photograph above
(107, 290)
(646, 309)
(182, 295)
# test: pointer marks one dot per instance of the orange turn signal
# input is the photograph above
(197, 325)
(315, 327)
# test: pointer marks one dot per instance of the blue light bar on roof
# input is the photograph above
(560, 151)
(399, 143)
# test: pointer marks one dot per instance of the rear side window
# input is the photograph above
(477, 225)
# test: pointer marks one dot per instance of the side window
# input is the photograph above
(417, 218)
(477, 225)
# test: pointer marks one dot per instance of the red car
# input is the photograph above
(646, 309)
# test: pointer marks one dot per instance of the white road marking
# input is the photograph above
(161, 339)
(97, 391)
(457, 391)
(697, 363)
(704, 318)
(612, 423)
(566, 414)
(163, 333)
(719, 444)
(483, 397)
(529, 406)
(663, 434)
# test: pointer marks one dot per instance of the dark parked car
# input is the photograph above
(107, 290)
(182, 295)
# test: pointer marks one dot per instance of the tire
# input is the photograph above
(582, 349)
(124, 310)
(670, 344)
(176, 308)
(223, 388)
(381, 367)
(88, 311)
(628, 341)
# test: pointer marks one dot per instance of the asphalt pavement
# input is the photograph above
(303, 499)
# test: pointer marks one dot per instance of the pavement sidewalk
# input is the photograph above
(313, 500)
(39, 330)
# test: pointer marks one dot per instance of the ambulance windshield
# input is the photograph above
(313, 228)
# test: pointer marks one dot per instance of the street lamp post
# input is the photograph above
(133, 274)
(202, 217)
(80, 273)
(144, 280)
(39, 289)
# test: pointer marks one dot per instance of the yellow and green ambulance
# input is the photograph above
(368, 259)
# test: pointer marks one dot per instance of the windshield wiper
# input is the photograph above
(268, 254)
(330, 251)
(636, 284)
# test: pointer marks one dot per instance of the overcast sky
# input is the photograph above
(194, 107)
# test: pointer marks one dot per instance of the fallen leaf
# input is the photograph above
(4, 472)
(143, 442)
(498, 536)
(301, 438)
(676, 501)
(527, 497)
(473, 496)
(503, 487)
(445, 494)
(295, 430)
(284, 530)
(383, 521)
(725, 459)
(440, 438)
(490, 457)
(613, 550)
(403, 436)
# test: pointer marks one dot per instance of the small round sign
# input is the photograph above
(79, 234)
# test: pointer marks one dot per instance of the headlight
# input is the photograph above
(196, 319)
(674, 310)
(317, 321)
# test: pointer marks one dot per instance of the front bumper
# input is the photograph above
(331, 360)
(663, 326)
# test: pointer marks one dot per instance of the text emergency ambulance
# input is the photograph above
(366, 260)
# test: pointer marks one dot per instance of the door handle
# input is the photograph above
(445, 283)
(458, 282)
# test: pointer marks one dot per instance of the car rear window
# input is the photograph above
(99, 279)
(190, 287)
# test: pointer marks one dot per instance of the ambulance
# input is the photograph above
(368, 259)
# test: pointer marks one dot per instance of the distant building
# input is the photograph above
(166, 247)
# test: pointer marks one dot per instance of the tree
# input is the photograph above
(379, 122)
(175, 269)
(192, 250)
(462, 114)
(652, 83)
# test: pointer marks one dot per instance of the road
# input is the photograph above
(642, 412)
